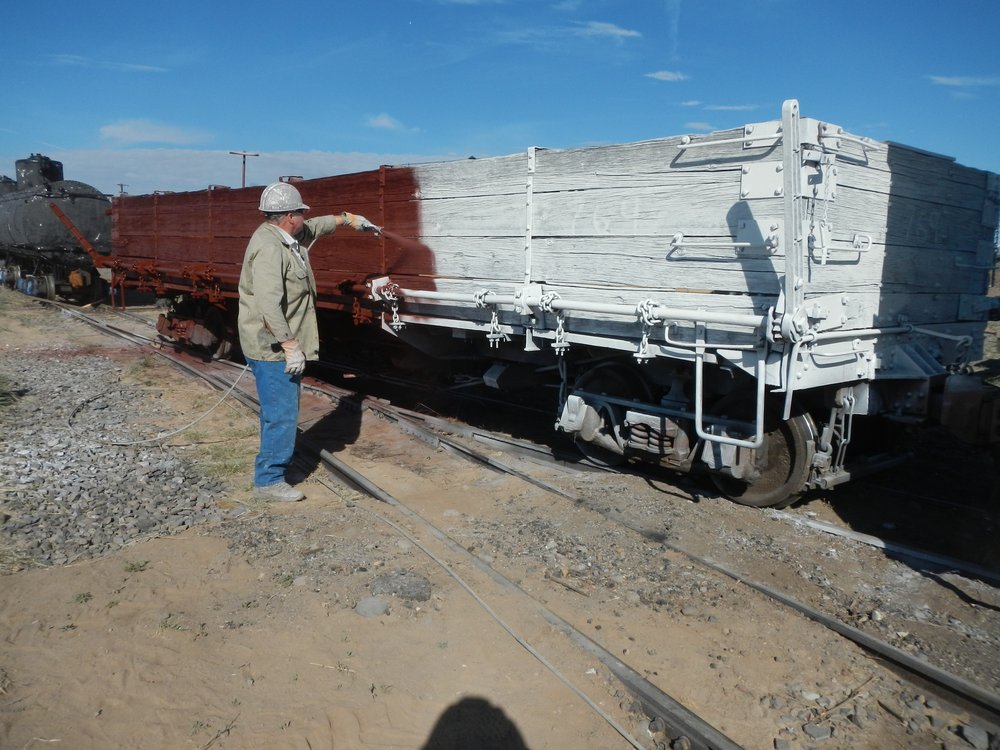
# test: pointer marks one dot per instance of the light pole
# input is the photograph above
(244, 154)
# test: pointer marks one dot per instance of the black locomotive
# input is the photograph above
(51, 232)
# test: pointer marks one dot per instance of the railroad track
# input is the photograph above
(680, 726)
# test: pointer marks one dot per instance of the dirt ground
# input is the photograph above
(252, 632)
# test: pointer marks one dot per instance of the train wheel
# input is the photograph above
(13, 276)
(215, 321)
(604, 445)
(781, 465)
(223, 350)
(50, 286)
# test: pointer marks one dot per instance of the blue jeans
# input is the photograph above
(278, 393)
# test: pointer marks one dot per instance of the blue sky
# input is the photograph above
(156, 95)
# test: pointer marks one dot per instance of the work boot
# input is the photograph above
(282, 492)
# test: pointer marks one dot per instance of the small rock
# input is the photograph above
(371, 607)
(976, 737)
(404, 584)
(817, 731)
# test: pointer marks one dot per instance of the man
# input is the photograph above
(277, 324)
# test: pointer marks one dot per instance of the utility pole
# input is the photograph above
(244, 154)
(121, 188)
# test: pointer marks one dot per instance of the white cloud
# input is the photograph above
(598, 28)
(965, 81)
(384, 122)
(702, 126)
(86, 62)
(547, 37)
(691, 103)
(129, 132)
(667, 75)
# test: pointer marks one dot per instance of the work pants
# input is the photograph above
(278, 393)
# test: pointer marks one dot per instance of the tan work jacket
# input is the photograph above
(278, 292)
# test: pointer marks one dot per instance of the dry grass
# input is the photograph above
(225, 453)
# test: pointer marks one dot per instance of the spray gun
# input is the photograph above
(361, 224)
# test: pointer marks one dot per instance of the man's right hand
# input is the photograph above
(359, 223)
(295, 360)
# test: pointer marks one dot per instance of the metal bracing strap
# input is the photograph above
(699, 398)
(529, 190)
(794, 242)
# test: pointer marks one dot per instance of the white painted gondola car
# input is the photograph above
(730, 302)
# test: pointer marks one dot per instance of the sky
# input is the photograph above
(138, 97)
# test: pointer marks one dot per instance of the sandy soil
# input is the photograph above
(247, 633)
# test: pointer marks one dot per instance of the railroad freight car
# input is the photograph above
(750, 303)
(53, 232)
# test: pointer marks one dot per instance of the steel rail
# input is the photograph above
(681, 723)
(894, 548)
(953, 684)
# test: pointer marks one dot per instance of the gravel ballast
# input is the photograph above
(69, 490)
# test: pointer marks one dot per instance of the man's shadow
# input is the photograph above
(331, 432)
(474, 723)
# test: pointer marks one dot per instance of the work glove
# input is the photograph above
(295, 360)
(359, 223)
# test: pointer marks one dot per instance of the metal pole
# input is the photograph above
(244, 154)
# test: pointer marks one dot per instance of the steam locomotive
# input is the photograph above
(53, 232)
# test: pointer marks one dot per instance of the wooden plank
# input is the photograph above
(891, 157)
(501, 175)
(898, 220)
(473, 216)
(645, 262)
(699, 206)
(891, 269)
(913, 184)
